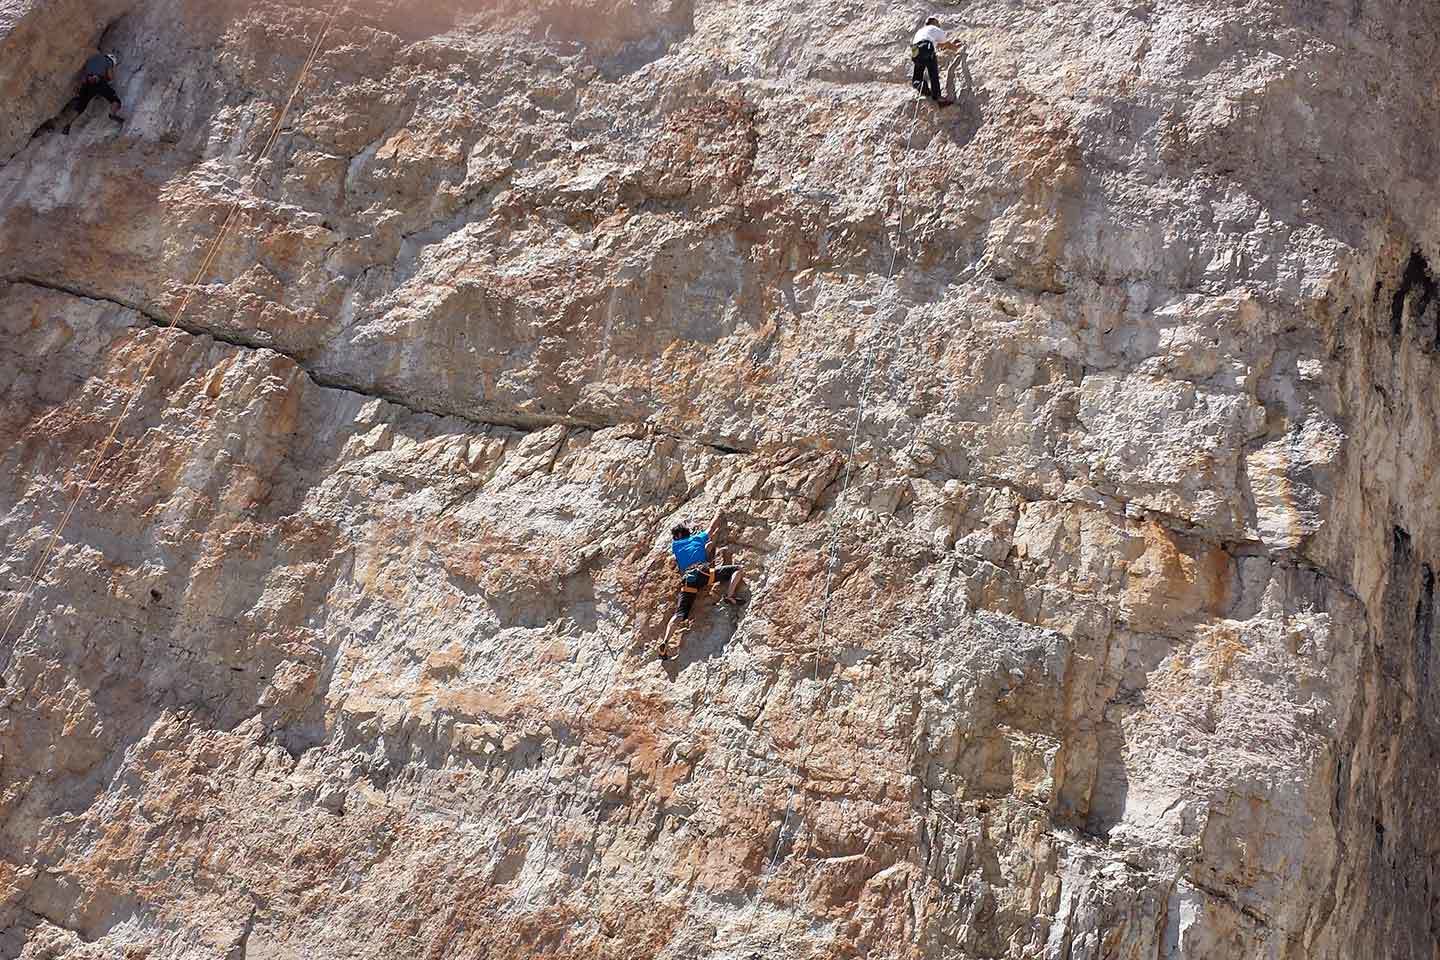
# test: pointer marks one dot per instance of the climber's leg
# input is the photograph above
(81, 101)
(917, 76)
(670, 628)
(104, 89)
(932, 78)
(689, 586)
(730, 575)
(74, 108)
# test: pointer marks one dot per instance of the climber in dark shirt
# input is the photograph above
(694, 557)
(97, 79)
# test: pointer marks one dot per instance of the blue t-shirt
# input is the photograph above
(691, 550)
(98, 65)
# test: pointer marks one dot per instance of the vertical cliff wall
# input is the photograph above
(347, 648)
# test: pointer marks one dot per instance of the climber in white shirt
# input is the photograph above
(929, 39)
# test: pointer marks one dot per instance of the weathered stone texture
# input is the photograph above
(347, 649)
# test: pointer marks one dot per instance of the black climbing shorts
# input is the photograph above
(91, 89)
(700, 578)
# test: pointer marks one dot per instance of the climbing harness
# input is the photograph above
(705, 571)
(205, 264)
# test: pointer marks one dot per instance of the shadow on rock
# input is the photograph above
(965, 112)
(714, 626)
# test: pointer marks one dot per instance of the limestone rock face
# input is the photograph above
(1078, 441)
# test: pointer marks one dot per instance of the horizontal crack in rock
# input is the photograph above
(517, 421)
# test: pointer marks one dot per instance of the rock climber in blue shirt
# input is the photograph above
(695, 559)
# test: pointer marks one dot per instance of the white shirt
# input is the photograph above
(930, 32)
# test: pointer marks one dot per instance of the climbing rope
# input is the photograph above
(834, 523)
(833, 534)
(832, 550)
(216, 245)
(205, 264)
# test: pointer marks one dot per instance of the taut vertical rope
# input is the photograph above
(205, 264)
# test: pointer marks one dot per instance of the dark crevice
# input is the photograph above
(1424, 625)
(1400, 546)
(1425, 608)
(1232, 899)
(87, 295)
(1418, 283)
(512, 421)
